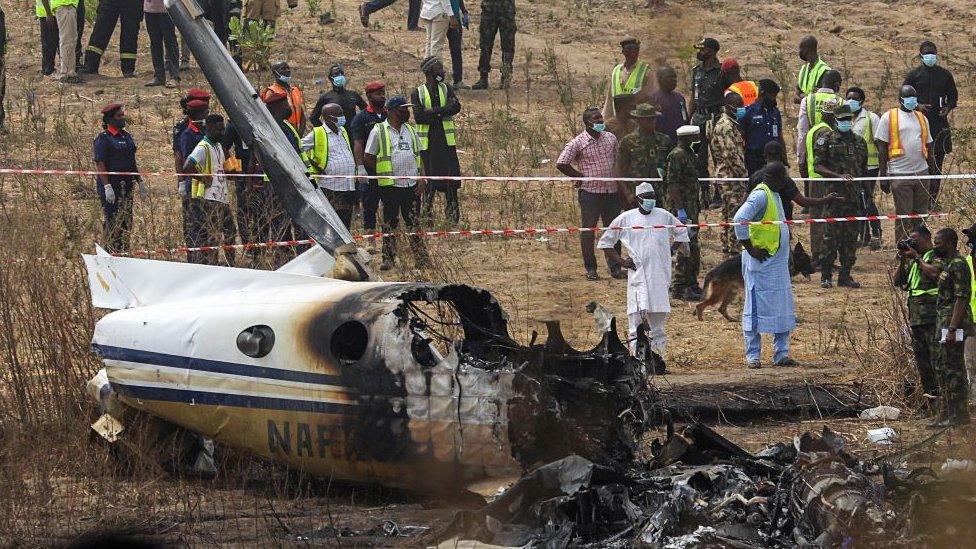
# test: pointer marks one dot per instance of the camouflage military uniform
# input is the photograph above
(921, 319)
(681, 181)
(950, 366)
(844, 153)
(726, 150)
(497, 16)
(642, 155)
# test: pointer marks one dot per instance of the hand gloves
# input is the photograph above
(109, 194)
(361, 171)
(683, 216)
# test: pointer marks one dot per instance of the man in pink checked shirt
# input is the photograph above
(594, 154)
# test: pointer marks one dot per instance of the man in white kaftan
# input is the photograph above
(648, 263)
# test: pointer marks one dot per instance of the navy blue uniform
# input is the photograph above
(760, 126)
(361, 125)
(117, 149)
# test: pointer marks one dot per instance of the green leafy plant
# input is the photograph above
(255, 40)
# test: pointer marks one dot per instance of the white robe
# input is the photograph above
(650, 249)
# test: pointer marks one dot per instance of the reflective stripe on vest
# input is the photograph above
(915, 278)
(972, 281)
(814, 115)
(868, 136)
(423, 130)
(319, 158)
(384, 154)
(635, 80)
(807, 79)
(298, 139)
(766, 236)
(809, 140)
(747, 89)
(197, 187)
(894, 144)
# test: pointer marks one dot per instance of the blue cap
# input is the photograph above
(397, 101)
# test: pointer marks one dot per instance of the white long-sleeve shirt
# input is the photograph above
(430, 9)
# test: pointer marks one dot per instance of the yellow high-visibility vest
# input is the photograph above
(868, 136)
(972, 281)
(766, 236)
(384, 155)
(809, 77)
(809, 140)
(635, 80)
(318, 160)
(423, 130)
(815, 102)
(915, 278)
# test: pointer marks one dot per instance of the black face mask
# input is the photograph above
(403, 115)
(701, 55)
(117, 123)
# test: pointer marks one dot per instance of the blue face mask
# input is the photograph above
(740, 113)
(339, 80)
(599, 128)
(909, 103)
(648, 204)
(341, 121)
(844, 126)
(284, 79)
(930, 59)
(854, 104)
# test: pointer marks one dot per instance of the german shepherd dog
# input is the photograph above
(724, 281)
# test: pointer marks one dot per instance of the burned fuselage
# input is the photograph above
(403, 384)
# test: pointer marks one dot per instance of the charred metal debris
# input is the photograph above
(701, 490)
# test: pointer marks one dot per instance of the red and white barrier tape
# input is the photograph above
(530, 232)
(540, 178)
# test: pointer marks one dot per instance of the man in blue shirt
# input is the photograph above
(183, 145)
(762, 123)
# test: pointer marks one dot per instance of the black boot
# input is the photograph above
(845, 280)
(482, 83)
(826, 280)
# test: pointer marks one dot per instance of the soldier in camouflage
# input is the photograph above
(643, 153)
(726, 155)
(918, 273)
(497, 17)
(952, 314)
(681, 181)
(841, 154)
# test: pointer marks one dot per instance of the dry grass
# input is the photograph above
(57, 482)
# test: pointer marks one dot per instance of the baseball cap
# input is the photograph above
(709, 43)
(768, 85)
(397, 101)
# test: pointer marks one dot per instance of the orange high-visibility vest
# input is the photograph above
(747, 89)
(894, 144)
(295, 101)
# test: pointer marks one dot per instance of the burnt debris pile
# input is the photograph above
(698, 489)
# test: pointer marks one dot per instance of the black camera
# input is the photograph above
(904, 245)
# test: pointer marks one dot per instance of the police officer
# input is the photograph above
(642, 153)
(841, 154)
(681, 181)
(917, 274)
(497, 16)
(115, 151)
(952, 316)
(708, 90)
(109, 13)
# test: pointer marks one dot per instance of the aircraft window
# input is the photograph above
(256, 341)
(349, 341)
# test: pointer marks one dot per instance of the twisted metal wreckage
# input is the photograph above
(420, 386)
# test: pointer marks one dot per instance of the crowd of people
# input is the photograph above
(729, 130)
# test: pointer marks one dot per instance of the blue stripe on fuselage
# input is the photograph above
(223, 399)
(213, 366)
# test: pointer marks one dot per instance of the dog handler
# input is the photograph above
(648, 263)
(769, 307)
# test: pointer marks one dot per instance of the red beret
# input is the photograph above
(729, 63)
(274, 97)
(111, 108)
(197, 104)
(374, 86)
(197, 93)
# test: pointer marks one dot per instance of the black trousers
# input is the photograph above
(413, 11)
(371, 204)
(401, 202)
(249, 205)
(118, 215)
(110, 12)
(754, 160)
(452, 200)
(454, 44)
(50, 41)
(604, 207)
(162, 38)
(342, 202)
(213, 225)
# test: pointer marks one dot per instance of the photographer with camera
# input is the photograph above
(918, 274)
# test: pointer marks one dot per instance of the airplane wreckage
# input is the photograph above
(420, 386)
